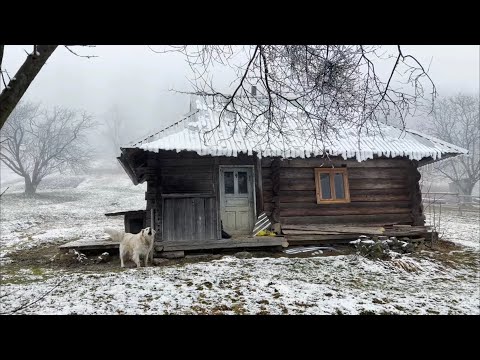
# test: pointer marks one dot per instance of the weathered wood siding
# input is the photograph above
(169, 172)
(382, 191)
(191, 219)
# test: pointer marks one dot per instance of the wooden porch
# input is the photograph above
(237, 242)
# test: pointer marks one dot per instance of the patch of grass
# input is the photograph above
(37, 271)
(367, 312)
(238, 309)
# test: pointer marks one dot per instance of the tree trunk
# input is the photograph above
(30, 187)
(466, 186)
(11, 95)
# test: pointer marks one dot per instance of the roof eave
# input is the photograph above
(430, 160)
(124, 162)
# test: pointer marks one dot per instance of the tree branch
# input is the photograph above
(11, 95)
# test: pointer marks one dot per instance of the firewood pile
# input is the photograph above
(383, 246)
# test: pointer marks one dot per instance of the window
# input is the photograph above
(332, 185)
(229, 186)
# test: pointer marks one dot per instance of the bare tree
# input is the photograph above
(36, 142)
(114, 130)
(456, 119)
(322, 88)
(16, 87)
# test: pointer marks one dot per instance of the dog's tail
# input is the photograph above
(116, 235)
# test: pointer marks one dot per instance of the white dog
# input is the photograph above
(132, 246)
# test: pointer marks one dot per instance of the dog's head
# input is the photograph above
(148, 233)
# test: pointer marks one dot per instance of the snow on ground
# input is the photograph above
(73, 207)
(460, 228)
(66, 208)
(316, 285)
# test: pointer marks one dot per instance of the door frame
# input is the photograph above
(254, 204)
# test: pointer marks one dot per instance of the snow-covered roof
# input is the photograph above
(296, 141)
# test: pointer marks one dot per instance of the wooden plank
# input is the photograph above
(349, 219)
(159, 221)
(268, 206)
(258, 186)
(276, 188)
(378, 173)
(341, 212)
(210, 221)
(199, 211)
(118, 213)
(192, 195)
(181, 168)
(346, 206)
(297, 184)
(263, 241)
(169, 227)
(354, 173)
(378, 198)
(304, 232)
(267, 184)
(266, 172)
(338, 162)
(356, 184)
(293, 238)
(236, 160)
(190, 221)
(216, 191)
(175, 163)
(91, 244)
(334, 229)
(187, 185)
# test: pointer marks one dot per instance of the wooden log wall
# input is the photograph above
(418, 217)
(382, 192)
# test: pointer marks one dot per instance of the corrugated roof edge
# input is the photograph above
(459, 149)
(150, 137)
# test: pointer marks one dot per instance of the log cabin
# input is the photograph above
(203, 183)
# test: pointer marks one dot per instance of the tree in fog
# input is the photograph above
(13, 88)
(36, 142)
(320, 89)
(456, 120)
(114, 129)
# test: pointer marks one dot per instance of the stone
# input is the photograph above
(243, 255)
(105, 257)
(277, 228)
(160, 261)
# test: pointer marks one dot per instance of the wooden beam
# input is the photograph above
(276, 187)
(381, 220)
(258, 185)
(262, 241)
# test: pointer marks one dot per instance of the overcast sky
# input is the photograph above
(138, 81)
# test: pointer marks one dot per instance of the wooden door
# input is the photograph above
(236, 199)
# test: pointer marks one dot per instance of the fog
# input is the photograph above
(138, 82)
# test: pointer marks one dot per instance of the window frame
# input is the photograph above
(332, 172)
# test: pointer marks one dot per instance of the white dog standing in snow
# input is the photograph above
(132, 246)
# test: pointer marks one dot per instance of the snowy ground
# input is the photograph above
(446, 280)
(67, 208)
